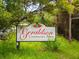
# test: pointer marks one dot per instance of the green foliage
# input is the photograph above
(14, 10)
(5, 17)
(1, 5)
(75, 2)
(51, 45)
(43, 1)
(37, 18)
(65, 5)
(70, 8)
(55, 11)
(49, 19)
(30, 18)
(44, 18)
(10, 14)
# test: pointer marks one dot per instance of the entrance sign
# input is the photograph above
(33, 33)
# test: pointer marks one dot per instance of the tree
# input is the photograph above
(67, 5)
(5, 17)
(14, 11)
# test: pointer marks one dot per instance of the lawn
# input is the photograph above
(37, 50)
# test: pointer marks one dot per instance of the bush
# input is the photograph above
(52, 45)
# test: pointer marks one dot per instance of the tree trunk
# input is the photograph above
(70, 30)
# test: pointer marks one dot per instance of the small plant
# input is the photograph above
(52, 45)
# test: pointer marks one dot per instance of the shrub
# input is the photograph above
(52, 45)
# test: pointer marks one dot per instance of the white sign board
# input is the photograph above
(32, 33)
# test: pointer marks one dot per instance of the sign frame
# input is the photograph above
(18, 42)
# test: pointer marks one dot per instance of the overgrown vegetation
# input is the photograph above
(12, 12)
(37, 50)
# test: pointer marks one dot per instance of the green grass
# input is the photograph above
(36, 50)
